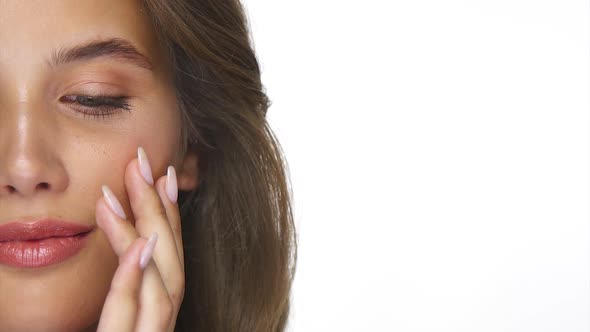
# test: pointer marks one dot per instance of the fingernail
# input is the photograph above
(144, 166)
(147, 251)
(113, 202)
(171, 184)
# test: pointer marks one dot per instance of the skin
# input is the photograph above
(45, 140)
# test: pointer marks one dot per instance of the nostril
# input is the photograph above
(43, 185)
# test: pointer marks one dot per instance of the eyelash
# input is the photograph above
(104, 106)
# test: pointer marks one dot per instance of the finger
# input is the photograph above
(154, 298)
(156, 307)
(151, 216)
(120, 232)
(166, 186)
(119, 312)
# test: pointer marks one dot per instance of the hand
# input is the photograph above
(143, 300)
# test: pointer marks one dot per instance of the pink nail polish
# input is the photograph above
(171, 184)
(113, 202)
(144, 166)
(148, 251)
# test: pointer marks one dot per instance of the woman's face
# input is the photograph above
(54, 158)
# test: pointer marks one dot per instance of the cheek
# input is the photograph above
(97, 157)
(103, 155)
(160, 138)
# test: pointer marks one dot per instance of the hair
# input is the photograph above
(239, 237)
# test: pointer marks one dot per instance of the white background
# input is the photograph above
(439, 157)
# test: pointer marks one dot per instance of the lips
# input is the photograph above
(41, 229)
(41, 243)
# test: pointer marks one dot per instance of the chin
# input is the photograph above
(63, 297)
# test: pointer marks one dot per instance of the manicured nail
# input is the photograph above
(147, 251)
(113, 202)
(144, 166)
(171, 184)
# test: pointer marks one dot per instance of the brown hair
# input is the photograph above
(238, 230)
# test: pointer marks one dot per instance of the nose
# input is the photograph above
(30, 162)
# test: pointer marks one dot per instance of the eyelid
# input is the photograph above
(96, 86)
(98, 96)
(107, 105)
(95, 91)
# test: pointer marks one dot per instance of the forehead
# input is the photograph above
(31, 29)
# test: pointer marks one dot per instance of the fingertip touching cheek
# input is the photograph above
(83, 84)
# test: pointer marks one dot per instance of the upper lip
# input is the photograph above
(40, 229)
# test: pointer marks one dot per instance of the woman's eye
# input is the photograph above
(97, 106)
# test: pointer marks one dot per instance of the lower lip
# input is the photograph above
(43, 252)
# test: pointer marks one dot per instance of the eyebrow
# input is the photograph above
(115, 48)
